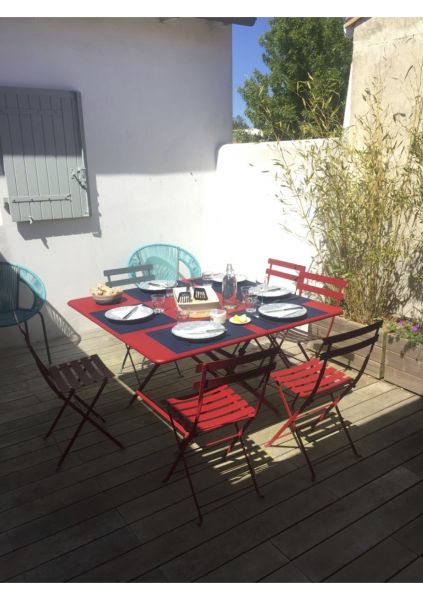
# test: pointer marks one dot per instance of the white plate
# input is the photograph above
(156, 285)
(218, 277)
(271, 291)
(198, 330)
(118, 314)
(282, 310)
(247, 320)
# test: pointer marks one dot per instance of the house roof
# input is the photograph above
(247, 21)
(350, 23)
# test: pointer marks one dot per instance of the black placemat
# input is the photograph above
(143, 296)
(269, 323)
(127, 327)
(177, 345)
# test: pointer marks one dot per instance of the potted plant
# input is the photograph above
(359, 195)
(404, 354)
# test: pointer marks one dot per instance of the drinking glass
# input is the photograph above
(207, 277)
(158, 302)
(244, 292)
(251, 303)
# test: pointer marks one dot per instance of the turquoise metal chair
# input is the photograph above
(169, 262)
(22, 295)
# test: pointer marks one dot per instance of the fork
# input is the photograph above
(200, 293)
(184, 297)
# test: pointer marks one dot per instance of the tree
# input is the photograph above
(297, 50)
(241, 131)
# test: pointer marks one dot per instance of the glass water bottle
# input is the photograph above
(229, 289)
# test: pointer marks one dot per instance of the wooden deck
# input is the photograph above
(106, 516)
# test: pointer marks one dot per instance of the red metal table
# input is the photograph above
(154, 340)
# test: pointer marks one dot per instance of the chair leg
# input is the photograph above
(347, 433)
(303, 350)
(250, 467)
(297, 438)
(183, 445)
(193, 494)
(56, 420)
(43, 324)
(277, 434)
(124, 358)
(85, 418)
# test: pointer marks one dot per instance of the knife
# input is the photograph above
(281, 309)
(128, 314)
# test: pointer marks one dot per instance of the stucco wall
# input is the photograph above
(156, 100)
(385, 48)
(245, 209)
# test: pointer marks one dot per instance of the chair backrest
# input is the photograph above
(132, 277)
(41, 366)
(237, 370)
(285, 270)
(12, 278)
(331, 288)
(344, 344)
(169, 261)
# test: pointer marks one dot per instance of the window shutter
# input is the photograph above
(41, 141)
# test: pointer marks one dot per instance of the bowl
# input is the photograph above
(108, 298)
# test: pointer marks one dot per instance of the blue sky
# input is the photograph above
(246, 56)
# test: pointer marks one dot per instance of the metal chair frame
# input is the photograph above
(12, 276)
(65, 380)
(132, 279)
(216, 405)
(324, 287)
(166, 260)
(313, 381)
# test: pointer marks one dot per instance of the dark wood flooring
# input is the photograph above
(106, 516)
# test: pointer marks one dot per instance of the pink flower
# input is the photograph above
(400, 323)
(415, 328)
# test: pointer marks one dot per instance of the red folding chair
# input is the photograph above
(315, 388)
(283, 269)
(323, 288)
(66, 379)
(217, 406)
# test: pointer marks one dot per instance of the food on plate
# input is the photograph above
(240, 319)
(101, 289)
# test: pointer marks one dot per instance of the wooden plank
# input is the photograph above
(249, 567)
(411, 536)
(405, 378)
(411, 573)
(376, 565)
(286, 574)
(328, 557)
(28, 557)
(302, 536)
(96, 552)
(158, 535)
(40, 154)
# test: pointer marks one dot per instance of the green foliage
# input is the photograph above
(406, 330)
(360, 196)
(294, 50)
(241, 133)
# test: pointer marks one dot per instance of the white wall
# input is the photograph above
(244, 214)
(156, 100)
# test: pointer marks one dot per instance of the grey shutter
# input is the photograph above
(41, 141)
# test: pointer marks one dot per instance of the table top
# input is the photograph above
(154, 340)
